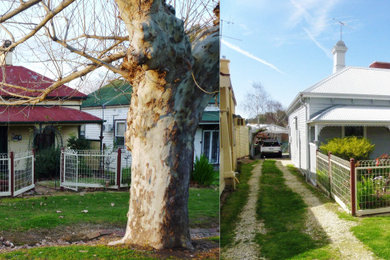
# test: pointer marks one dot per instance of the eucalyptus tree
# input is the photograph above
(172, 74)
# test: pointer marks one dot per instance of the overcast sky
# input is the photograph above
(286, 44)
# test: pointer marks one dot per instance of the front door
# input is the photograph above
(3, 139)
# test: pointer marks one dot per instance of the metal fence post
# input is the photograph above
(118, 168)
(353, 187)
(12, 174)
(33, 166)
(62, 167)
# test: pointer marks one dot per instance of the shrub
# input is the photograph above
(126, 175)
(368, 192)
(47, 163)
(349, 147)
(203, 172)
(81, 143)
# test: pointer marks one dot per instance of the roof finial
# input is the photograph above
(341, 28)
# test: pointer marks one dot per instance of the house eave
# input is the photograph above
(52, 122)
(347, 96)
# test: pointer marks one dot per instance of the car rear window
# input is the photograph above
(271, 144)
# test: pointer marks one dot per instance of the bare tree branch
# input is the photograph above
(23, 6)
(34, 100)
(48, 18)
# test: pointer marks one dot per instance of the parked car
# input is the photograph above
(271, 147)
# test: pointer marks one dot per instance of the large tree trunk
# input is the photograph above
(164, 113)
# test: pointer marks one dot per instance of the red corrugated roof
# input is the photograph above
(44, 114)
(21, 76)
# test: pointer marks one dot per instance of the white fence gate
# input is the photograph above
(69, 163)
(16, 173)
(5, 175)
(95, 169)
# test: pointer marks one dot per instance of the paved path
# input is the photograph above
(338, 230)
(244, 246)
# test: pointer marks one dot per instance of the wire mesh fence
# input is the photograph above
(16, 173)
(340, 185)
(95, 169)
(373, 184)
(125, 168)
(369, 192)
(5, 175)
(23, 172)
(322, 171)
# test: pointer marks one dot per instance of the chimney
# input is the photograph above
(380, 65)
(6, 57)
(224, 66)
(338, 52)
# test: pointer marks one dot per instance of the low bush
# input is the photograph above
(75, 143)
(349, 147)
(203, 172)
(47, 163)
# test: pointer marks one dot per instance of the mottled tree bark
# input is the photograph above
(165, 109)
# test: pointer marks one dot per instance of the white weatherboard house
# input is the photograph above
(352, 101)
(110, 103)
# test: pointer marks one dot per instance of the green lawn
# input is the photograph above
(375, 233)
(79, 252)
(234, 204)
(21, 214)
(283, 212)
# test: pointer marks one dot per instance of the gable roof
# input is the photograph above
(21, 76)
(354, 81)
(351, 82)
(117, 93)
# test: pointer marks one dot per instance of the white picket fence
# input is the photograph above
(16, 173)
(95, 169)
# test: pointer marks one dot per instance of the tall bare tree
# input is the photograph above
(172, 79)
(256, 101)
(262, 108)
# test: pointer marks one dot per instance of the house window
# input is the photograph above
(354, 131)
(211, 145)
(82, 131)
(120, 128)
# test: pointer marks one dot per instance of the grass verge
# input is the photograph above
(283, 212)
(108, 208)
(233, 205)
(375, 233)
(78, 252)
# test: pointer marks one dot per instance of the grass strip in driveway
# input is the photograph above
(283, 212)
(233, 205)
